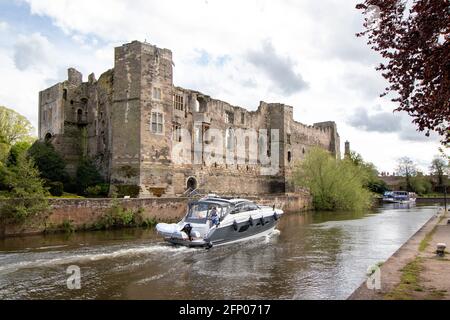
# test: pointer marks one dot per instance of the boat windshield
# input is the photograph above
(199, 212)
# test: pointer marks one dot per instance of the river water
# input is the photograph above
(311, 256)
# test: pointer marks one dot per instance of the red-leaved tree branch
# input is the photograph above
(413, 37)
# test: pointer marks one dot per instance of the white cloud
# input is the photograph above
(33, 51)
(3, 26)
(311, 41)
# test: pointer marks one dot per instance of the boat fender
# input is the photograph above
(250, 221)
(235, 225)
(262, 221)
(275, 216)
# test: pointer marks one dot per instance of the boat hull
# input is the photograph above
(229, 234)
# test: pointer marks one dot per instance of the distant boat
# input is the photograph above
(399, 197)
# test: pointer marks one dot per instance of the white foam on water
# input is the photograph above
(88, 257)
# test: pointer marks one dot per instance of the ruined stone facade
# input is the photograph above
(128, 122)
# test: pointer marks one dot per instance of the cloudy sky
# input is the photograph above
(300, 52)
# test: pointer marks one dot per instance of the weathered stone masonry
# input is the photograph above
(127, 121)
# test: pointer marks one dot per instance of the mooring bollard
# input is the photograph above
(441, 249)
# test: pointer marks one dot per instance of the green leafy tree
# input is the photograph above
(22, 191)
(51, 166)
(14, 127)
(369, 173)
(421, 184)
(334, 184)
(20, 148)
(87, 176)
(439, 168)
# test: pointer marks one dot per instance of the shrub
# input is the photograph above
(100, 190)
(87, 176)
(56, 189)
(119, 217)
(50, 164)
(334, 184)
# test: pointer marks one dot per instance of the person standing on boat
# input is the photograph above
(214, 216)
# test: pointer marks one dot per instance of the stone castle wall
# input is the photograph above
(111, 120)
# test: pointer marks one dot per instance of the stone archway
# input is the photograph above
(48, 137)
(192, 183)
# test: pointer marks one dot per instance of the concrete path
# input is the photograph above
(415, 271)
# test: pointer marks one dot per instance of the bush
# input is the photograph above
(98, 191)
(421, 185)
(50, 164)
(119, 217)
(127, 190)
(56, 189)
(24, 191)
(334, 184)
(87, 176)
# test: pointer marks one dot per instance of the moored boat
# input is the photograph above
(399, 197)
(214, 221)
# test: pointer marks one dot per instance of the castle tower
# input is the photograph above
(141, 120)
(347, 149)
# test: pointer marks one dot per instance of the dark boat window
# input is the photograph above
(243, 207)
(244, 228)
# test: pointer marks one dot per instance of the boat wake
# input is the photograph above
(34, 260)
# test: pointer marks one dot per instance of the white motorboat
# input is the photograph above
(399, 197)
(214, 221)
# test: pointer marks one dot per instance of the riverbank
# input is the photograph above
(415, 272)
(91, 214)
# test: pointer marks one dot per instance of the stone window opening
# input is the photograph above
(71, 102)
(229, 117)
(157, 93)
(48, 137)
(192, 184)
(289, 156)
(288, 139)
(196, 106)
(230, 138)
(198, 135)
(201, 105)
(178, 102)
(304, 151)
(243, 118)
(157, 123)
(177, 133)
(65, 94)
(79, 115)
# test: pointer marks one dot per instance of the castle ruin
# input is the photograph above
(128, 121)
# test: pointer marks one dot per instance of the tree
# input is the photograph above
(415, 43)
(87, 176)
(369, 173)
(14, 127)
(49, 162)
(421, 184)
(21, 190)
(408, 169)
(334, 184)
(439, 168)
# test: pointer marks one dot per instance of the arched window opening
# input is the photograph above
(48, 137)
(79, 115)
(192, 184)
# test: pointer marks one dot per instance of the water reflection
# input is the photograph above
(314, 256)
